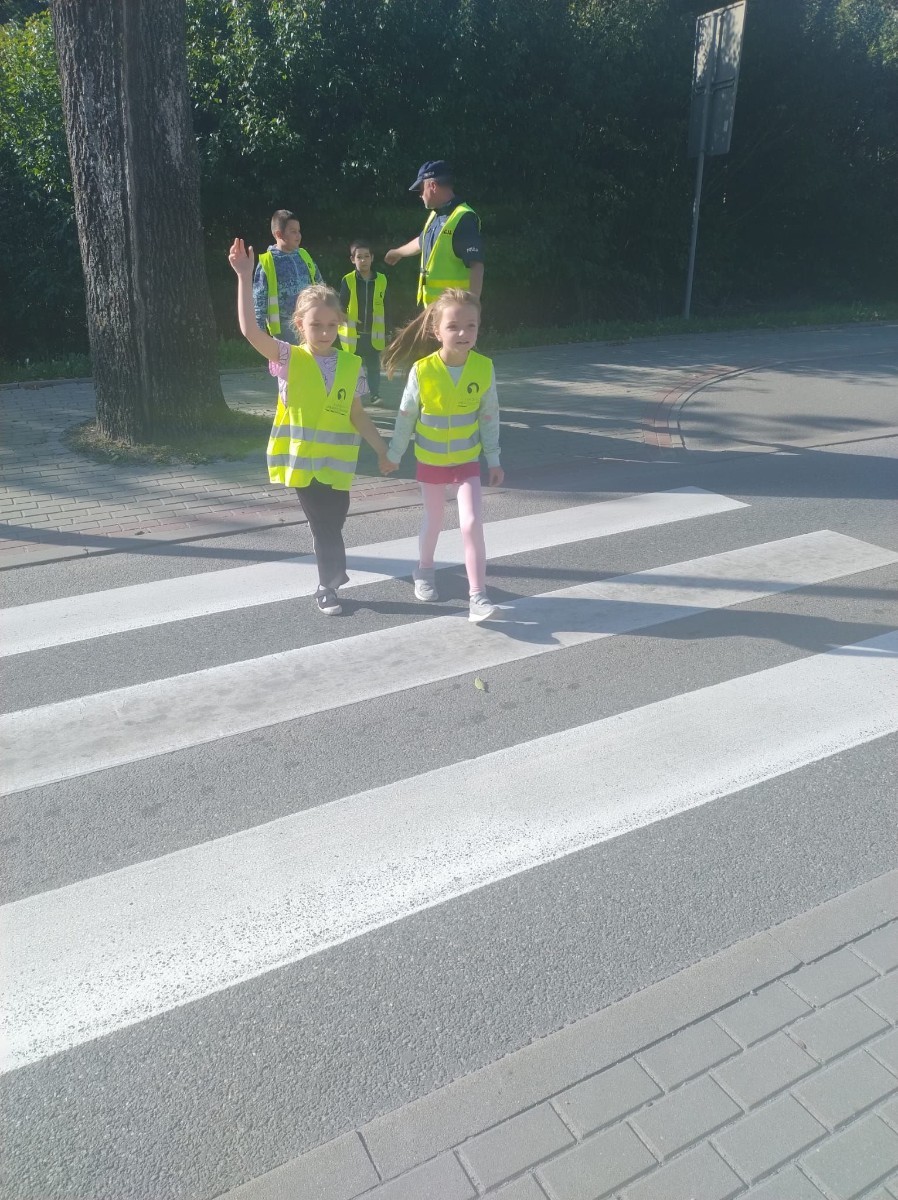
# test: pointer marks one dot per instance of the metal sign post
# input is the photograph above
(718, 51)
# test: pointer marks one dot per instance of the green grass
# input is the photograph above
(241, 435)
(71, 366)
(235, 354)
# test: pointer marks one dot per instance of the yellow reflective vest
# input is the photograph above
(350, 331)
(313, 436)
(448, 428)
(443, 268)
(266, 262)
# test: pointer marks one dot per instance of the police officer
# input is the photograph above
(450, 244)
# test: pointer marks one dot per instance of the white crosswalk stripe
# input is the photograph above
(104, 953)
(97, 614)
(91, 733)
(117, 949)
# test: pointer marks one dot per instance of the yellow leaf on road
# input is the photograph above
(479, 684)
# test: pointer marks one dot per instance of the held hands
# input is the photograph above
(495, 477)
(386, 467)
(241, 258)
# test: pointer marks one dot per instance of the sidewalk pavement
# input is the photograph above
(561, 405)
(768, 1071)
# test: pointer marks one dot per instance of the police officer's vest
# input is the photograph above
(443, 268)
(448, 429)
(312, 436)
(266, 262)
(350, 331)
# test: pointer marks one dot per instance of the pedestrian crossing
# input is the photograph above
(94, 957)
(92, 733)
(140, 606)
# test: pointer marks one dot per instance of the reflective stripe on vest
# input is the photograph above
(313, 436)
(443, 269)
(448, 428)
(266, 262)
(349, 331)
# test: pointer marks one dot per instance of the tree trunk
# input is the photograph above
(123, 70)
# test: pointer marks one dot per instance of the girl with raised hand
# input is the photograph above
(314, 443)
(451, 406)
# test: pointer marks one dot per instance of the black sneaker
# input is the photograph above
(328, 602)
(374, 399)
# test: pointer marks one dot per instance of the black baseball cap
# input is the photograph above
(436, 169)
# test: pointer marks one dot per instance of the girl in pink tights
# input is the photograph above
(451, 407)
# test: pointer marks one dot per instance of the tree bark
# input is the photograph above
(123, 71)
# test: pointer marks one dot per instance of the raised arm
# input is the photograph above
(241, 259)
(392, 257)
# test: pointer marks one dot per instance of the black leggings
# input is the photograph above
(371, 358)
(326, 508)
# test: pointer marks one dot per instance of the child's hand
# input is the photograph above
(496, 477)
(241, 258)
(386, 467)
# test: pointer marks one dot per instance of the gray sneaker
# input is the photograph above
(480, 608)
(425, 588)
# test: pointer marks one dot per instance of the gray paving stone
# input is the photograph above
(440, 1179)
(606, 1097)
(837, 1028)
(768, 1138)
(842, 1091)
(828, 978)
(511, 1147)
(525, 1188)
(889, 1113)
(689, 1113)
(883, 996)
(765, 1070)
(859, 1157)
(763, 1013)
(699, 1175)
(785, 1185)
(338, 1170)
(688, 1053)
(417, 1132)
(597, 1167)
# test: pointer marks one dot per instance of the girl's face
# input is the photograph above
(457, 328)
(318, 326)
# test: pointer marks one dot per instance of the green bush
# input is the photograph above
(566, 120)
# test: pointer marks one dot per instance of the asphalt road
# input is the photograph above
(225, 1076)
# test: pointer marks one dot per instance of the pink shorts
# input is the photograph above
(426, 473)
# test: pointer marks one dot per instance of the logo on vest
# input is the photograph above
(337, 403)
(473, 389)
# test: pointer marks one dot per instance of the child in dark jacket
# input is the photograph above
(363, 299)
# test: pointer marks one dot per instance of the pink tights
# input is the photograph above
(470, 519)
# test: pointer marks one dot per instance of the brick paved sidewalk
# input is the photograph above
(56, 504)
(769, 1071)
(561, 405)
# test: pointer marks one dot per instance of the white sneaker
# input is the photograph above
(424, 585)
(328, 602)
(480, 608)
